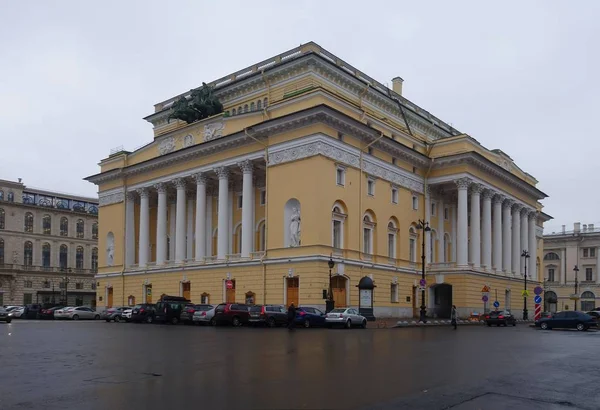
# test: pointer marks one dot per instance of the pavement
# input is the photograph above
(97, 365)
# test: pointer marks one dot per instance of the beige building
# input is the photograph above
(48, 246)
(571, 261)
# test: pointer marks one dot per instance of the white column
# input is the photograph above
(144, 241)
(453, 234)
(475, 225)
(486, 229)
(533, 246)
(200, 216)
(525, 239)
(223, 214)
(516, 239)
(428, 219)
(462, 225)
(497, 254)
(180, 221)
(506, 236)
(247, 199)
(161, 224)
(172, 218)
(189, 249)
(209, 224)
(441, 213)
(129, 229)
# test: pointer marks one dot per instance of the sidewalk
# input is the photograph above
(443, 322)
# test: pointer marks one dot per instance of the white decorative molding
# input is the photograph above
(505, 164)
(213, 130)
(167, 145)
(111, 197)
(539, 231)
(188, 141)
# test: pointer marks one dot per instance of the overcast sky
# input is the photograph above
(76, 79)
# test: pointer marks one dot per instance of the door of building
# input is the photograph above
(230, 293)
(109, 298)
(148, 294)
(293, 286)
(186, 290)
(338, 288)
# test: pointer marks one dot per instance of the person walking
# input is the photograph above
(453, 316)
(291, 316)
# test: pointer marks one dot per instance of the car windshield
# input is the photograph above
(255, 308)
(338, 311)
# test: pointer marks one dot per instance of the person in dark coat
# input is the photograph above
(453, 316)
(291, 316)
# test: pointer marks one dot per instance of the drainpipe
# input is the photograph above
(124, 242)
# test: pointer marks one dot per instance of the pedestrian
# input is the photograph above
(453, 316)
(291, 316)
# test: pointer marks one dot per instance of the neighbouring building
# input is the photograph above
(48, 246)
(309, 159)
(571, 261)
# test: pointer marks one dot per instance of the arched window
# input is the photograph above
(1, 251)
(46, 255)
(47, 224)
(79, 257)
(94, 260)
(412, 243)
(392, 232)
(265, 101)
(261, 235)
(64, 226)
(2, 216)
(240, 109)
(233, 112)
(28, 222)
(590, 304)
(245, 108)
(95, 230)
(368, 233)
(259, 104)
(252, 106)
(28, 254)
(551, 256)
(338, 218)
(80, 228)
(63, 257)
(11, 197)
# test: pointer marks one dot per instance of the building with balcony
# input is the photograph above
(570, 263)
(48, 246)
(312, 159)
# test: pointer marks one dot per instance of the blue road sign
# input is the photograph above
(537, 299)
(538, 290)
(484, 298)
(496, 304)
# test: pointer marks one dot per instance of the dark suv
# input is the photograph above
(143, 313)
(270, 315)
(235, 314)
(169, 308)
(31, 311)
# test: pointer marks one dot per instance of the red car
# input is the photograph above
(235, 314)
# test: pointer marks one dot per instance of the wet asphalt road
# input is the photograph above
(97, 365)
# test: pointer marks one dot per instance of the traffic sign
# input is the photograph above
(422, 282)
(537, 312)
(485, 289)
(538, 290)
(484, 298)
(525, 293)
(537, 299)
(229, 284)
(496, 304)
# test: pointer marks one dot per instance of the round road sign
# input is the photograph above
(496, 304)
(538, 290)
(422, 282)
(537, 299)
(484, 298)
(229, 284)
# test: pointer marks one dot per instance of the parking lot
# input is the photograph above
(99, 365)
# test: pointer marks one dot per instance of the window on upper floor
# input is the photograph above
(589, 274)
(412, 243)
(589, 252)
(2, 217)
(446, 214)
(28, 225)
(338, 217)
(1, 195)
(78, 285)
(265, 102)
(259, 105)
(551, 277)
(550, 256)
(370, 187)
(95, 230)
(47, 224)
(64, 226)
(63, 256)
(95, 259)
(368, 233)
(340, 175)
(28, 253)
(370, 150)
(234, 111)
(392, 232)
(240, 201)
(80, 228)
(11, 197)
(252, 106)
(433, 208)
(28, 284)
(415, 202)
(1, 251)
(394, 195)
(79, 257)
(46, 255)
(263, 197)
(245, 108)
(393, 161)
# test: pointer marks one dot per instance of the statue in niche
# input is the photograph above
(295, 228)
(110, 249)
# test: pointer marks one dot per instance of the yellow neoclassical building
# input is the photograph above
(312, 159)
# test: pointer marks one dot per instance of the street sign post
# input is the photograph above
(496, 304)
(538, 290)
(485, 289)
(537, 312)
(484, 298)
(537, 299)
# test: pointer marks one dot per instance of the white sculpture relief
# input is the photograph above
(167, 145)
(213, 131)
(110, 249)
(188, 141)
(295, 228)
(108, 199)
(504, 164)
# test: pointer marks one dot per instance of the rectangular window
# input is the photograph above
(394, 293)
(391, 245)
(433, 209)
(415, 203)
(340, 136)
(240, 201)
(550, 275)
(370, 150)
(371, 187)
(367, 240)
(446, 214)
(61, 285)
(337, 234)
(412, 250)
(79, 286)
(28, 284)
(79, 301)
(27, 298)
(263, 197)
(588, 274)
(592, 252)
(340, 176)
(393, 161)
(585, 252)
(394, 195)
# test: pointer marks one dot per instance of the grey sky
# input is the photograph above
(76, 79)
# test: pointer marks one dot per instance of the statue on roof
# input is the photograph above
(201, 104)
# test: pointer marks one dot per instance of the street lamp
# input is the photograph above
(425, 227)
(576, 295)
(525, 255)
(544, 287)
(330, 304)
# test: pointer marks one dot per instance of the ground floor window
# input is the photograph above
(394, 293)
(250, 298)
(79, 301)
(204, 298)
(27, 298)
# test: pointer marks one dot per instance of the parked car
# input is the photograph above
(270, 315)
(567, 320)
(205, 316)
(309, 317)
(4, 317)
(9, 308)
(235, 314)
(16, 313)
(169, 308)
(500, 317)
(48, 314)
(187, 314)
(113, 313)
(31, 311)
(346, 317)
(144, 312)
(595, 314)
(76, 313)
(126, 315)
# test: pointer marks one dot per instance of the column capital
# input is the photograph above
(130, 195)
(516, 207)
(463, 183)
(200, 178)
(498, 198)
(525, 212)
(222, 172)
(508, 203)
(488, 194)
(143, 192)
(476, 188)
(190, 195)
(179, 183)
(246, 166)
(161, 187)
(533, 215)
(428, 190)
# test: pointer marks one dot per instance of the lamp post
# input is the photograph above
(422, 225)
(544, 287)
(66, 282)
(525, 255)
(576, 295)
(330, 304)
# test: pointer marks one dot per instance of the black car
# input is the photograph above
(567, 320)
(309, 317)
(169, 308)
(144, 312)
(270, 315)
(31, 311)
(48, 314)
(187, 314)
(500, 317)
(595, 314)
(4, 315)
(235, 314)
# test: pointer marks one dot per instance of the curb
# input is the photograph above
(433, 323)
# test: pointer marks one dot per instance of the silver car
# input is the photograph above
(15, 313)
(346, 317)
(76, 313)
(127, 314)
(205, 315)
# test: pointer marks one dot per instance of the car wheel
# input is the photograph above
(75, 317)
(307, 323)
(8, 320)
(489, 324)
(236, 321)
(149, 319)
(514, 324)
(364, 324)
(580, 327)
(117, 319)
(98, 317)
(212, 322)
(174, 321)
(544, 326)
(348, 324)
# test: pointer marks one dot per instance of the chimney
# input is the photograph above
(584, 228)
(591, 228)
(397, 85)
(563, 229)
(577, 227)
